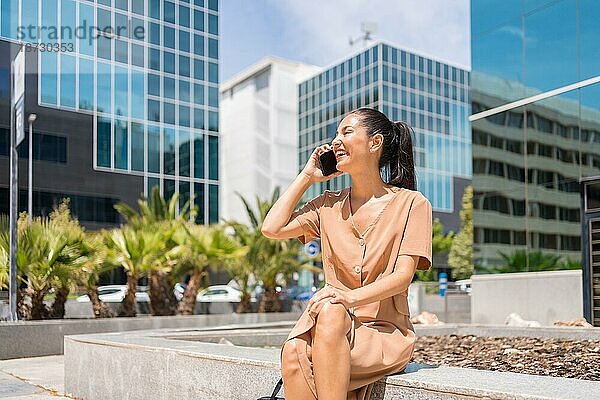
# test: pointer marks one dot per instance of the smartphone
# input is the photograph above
(328, 163)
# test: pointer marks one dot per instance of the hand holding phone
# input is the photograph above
(328, 163)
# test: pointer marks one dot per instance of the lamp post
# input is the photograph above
(31, 119)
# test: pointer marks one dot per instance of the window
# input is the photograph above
(86, 84)
(169, 151)
(213, 97)
(516, 173)
(199, 45)
(496, 168)
(153, 149)
(184, 66)
(169, 12)
(49, 79)
(199, 70)
(103, 88)
(169, 37)
(137, 94)
(514, 146)
(515, 119)
(121, 53)
(137, 55)
(496, 142)
(169, 62)
(137, 146)
(213, 72)
(154, 85)
(169, 87)
(184, 41)
(184, 152)
(199, 157)
(121, 92)
(121, 147)
(154, 59)
(213, 24)
(103, 142)
(184, 91)
(198, 94)
(184, 116)
(213, 157)
(213, 48)
(169, 113)
(184, 16)
(154, 110)
(198, 20)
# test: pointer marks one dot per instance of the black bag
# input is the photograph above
(275, 391)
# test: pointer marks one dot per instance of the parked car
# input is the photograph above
(116, 294)
(219, 293)
(464, 285)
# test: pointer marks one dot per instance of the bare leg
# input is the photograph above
(294, 383)
(331, 352)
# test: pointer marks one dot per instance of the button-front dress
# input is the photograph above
(382, 338)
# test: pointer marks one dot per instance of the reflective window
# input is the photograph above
(184, 41)
(154, 33)
(121, 92)
(213, 121)
(103, 88)
(154, 8)
(184, 116)
(137, 146)
(199, 45)
(213, 5)
(169, 12)
(213, 157)
(169, 151)
(103, 142)
(199, 201)
(198, 155)
(198, 94)
(137, 6)
(154, 59)
(121, 53)
(86, 84)
(86, 18)
(213, 48)
(137, 55)
(154, 110)
(169, 113)
(184, 16)
(198, 20)
(184, 151)
(103, 47)
(120, 140)
(198, 118)
(169, 62)
(169, 87)
(199, 70)
(213, 24)
(154, 84)
(153, 149)
(184, 66)
(213, 203)
(169, 37)
(213, 97)
(184, 91)
(213, 72)
(49, 78)
(67, 80)
(68, 17)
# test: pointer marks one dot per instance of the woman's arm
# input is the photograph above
(277, 224)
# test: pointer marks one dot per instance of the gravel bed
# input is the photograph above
(550, 357)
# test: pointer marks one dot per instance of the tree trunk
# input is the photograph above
(162, 298)
(101, 310)
(38, 308)
(245, 306)
(269, 301)
(58, 306)
(188, 302)
(23, 309)
(128, 306)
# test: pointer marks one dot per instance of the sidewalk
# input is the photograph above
(38, 378)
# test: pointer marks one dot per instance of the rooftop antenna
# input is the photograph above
(367, 28)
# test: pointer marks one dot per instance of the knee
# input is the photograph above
(333, 320)
(289, 358)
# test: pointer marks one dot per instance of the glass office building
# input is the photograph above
(431, 95)
(536, 124)
(146, 72)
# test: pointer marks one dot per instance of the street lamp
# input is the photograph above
(31, 119)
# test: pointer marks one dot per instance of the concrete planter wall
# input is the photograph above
(539, 296)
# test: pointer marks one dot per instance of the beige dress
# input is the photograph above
(382, 337)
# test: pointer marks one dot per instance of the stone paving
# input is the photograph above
(38, 378)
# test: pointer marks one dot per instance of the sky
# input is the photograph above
(317, 31)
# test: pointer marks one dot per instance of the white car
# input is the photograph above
(115, 294)
(219, 293)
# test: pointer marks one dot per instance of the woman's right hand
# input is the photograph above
(313, 168)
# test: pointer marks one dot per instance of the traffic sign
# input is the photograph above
(312, 248)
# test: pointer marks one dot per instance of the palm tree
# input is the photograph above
(159, 211)
(91, 264)
(137, 251)
(204, 246)
(530, 261)
(271, 258)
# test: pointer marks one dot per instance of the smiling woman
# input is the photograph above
(374, 235)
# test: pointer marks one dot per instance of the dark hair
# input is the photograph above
(397, 151)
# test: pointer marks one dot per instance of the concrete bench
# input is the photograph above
(184, 364)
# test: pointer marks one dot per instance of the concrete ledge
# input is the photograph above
(44, 338)
(166, 364)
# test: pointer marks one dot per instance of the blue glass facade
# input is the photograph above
(147, 71)
(430, 95)
(528, 157)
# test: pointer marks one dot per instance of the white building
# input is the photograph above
(259, 132)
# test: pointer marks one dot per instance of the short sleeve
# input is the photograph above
(417, 238)
(309, 218)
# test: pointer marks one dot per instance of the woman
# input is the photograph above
(374, 235)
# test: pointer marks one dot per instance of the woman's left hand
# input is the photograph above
(328, 294)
